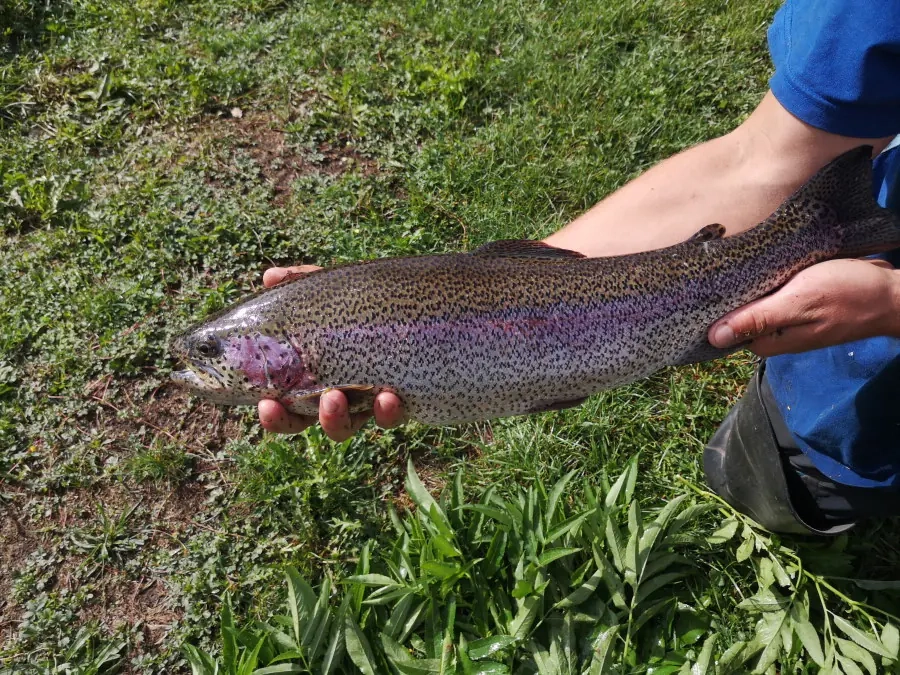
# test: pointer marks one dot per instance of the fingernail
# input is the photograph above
(723, 336)
(329, 405)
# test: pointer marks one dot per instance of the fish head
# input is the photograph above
(239, 363)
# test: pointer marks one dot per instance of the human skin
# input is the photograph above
(737, 180)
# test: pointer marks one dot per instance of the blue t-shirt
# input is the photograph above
(837, 68)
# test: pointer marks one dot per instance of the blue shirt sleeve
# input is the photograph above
(837, 64)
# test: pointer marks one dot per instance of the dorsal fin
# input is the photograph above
(708, 233)
(524, 248)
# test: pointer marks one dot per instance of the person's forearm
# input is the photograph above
(736, 180)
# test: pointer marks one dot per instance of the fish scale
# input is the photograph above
(518, 327)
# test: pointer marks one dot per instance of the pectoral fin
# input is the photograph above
(709, 233)
(360, 398)
(702, 351)
(556, 405)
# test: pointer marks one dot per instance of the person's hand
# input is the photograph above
(827, 304)
(334, 416)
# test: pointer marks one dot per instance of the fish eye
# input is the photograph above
(209, 348)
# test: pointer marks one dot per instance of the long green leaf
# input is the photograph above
(864, 640)
(552, 554)
(626, 482)
(555, 494)
(401, 659)
(373, 580)
(601, 649)
(528, 608)
(423, 498)
(448, 662)
(201, 662)
(614, 542)
(649, 587)
(492, 512)
(229, 642)
(768, 635)
(301, 601)
(335, 649)
(280, 668)
(701, 667)
(485, 647)
(808, 635)
(358, 648)
(583, 592)
(565, 527)
(853, 651)
(890, 638)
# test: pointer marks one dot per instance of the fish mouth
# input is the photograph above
(191, 378)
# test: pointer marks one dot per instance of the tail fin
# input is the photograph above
(845, 185)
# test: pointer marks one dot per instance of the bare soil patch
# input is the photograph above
(263, 137)
(17, 541)
(140, 414)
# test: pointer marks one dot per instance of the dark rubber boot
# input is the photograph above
(746, 467)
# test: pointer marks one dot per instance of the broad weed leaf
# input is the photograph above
(848, 665)
(495, 513)
(423, 498)
(553, 554)
(863, 639)
(358, 648)
(626, 482)
(613, 541)
(376, 580)
(486, 647)
(768, 635)
(602, 651)
(853, 651)
(583, 592)
(555, 494)
(728, 529)
(810, 640)
(301, 601)
(766, 600)
(280, 668)
(745, 550)
(890, 638)
(705, 660)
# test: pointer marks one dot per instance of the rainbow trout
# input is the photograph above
(518, 327)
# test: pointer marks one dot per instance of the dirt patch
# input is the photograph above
(124, 602)
(164, 514)
(139, 413)
(17, 541)
(262, 136)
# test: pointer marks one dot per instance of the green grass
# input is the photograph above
(157, 156)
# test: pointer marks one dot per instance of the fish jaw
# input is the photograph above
(201, 382)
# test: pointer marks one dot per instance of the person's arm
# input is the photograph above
(736, 180)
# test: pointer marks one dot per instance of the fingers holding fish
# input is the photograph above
(831, 303)
(388, 410)
(334, 416)
(276, 275)
(276, 419)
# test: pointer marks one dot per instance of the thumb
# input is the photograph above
(749, 322)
